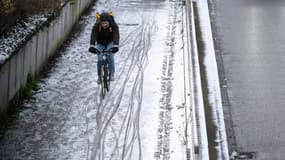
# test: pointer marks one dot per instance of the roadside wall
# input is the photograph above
(35, 53)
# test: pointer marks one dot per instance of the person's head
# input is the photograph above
(105, 24)
(105, 20)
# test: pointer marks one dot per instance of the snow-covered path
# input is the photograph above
(142, 117)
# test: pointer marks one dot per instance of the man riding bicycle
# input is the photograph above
(105, 34)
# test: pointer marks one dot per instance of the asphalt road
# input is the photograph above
(249, 42)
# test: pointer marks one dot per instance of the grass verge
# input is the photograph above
(10, 115)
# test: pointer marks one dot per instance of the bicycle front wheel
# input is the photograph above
(106, 78)
(103, 89)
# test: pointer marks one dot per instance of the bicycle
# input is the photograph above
(104, 68)
(105, 72)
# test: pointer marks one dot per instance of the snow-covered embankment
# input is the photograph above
(17, 64)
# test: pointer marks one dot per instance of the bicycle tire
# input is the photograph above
(102, 84)
(106, 78)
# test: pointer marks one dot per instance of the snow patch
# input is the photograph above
(19, 34)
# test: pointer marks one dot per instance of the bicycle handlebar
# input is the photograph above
(108, 51)
(96, 51)
(104, 52)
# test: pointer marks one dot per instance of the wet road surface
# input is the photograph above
(249, 39)
(139, 118)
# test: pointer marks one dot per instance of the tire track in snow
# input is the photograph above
(125, 136)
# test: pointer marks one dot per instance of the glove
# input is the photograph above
(92, 49)
(114, 49)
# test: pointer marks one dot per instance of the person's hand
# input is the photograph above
(92, 49)
(115, 49)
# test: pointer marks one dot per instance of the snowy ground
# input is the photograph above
(143, 116)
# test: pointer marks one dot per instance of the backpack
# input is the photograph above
(112, 21)
(110, 14)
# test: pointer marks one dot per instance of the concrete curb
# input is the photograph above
(211, 69)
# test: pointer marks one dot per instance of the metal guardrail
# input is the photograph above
(199, 141)
(201, 138)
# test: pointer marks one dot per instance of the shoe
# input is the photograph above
(112, 78)
(99, 80)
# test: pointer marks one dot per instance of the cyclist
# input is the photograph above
(105, 34)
